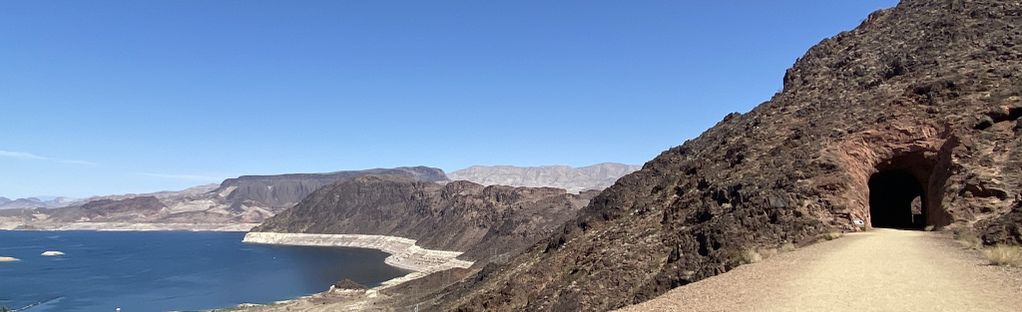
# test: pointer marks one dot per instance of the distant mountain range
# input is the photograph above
(251, 199)
(595, 177)
(34, 202)
(242, 200)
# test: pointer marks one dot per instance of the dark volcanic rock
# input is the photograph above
(1003, 229)
(283, 191)
(349, 284)
(485, 222)
(927, 92)
(141, 205)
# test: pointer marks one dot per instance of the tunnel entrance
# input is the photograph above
(905, 192)
(896, 200)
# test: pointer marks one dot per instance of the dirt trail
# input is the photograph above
(880, 270)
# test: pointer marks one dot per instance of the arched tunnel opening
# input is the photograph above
(896, 200)
(904, 194)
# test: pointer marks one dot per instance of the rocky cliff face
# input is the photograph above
(486, 222)
(927, 93)
(279, 192)
(595, 177)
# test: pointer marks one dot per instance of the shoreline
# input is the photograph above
(138, 227)
(404, 253)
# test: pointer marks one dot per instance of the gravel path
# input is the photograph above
(880, 270)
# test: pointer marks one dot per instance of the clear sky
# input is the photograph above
(107, 97)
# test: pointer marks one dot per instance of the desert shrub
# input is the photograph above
(969, 239)
(786, 247)
(766, 253)
(1004, 255)
(751, 256)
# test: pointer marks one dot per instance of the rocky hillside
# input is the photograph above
(279, 192)
(486, 222)
(928, 93)
(595, 177)
(110, 210)
(247, 199)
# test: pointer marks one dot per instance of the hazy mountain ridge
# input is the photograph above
(573, 179)
(34, 202)
(246, 199)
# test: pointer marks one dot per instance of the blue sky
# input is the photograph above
(104, 97)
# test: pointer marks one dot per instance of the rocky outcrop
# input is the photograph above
(279, 192)
(595, 177)
(144, 205)
(348, 284)
(929, 92)
(486, 223)
(1005, 229)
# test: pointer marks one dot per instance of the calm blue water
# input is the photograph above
(160, 271)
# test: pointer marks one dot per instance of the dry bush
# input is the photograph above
(787, 247)
(832, 235)
(751, 256)
(768, 252)
(969, 240)
(1004, 255)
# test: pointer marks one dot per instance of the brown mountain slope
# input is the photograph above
(922, 100)
(487, 223)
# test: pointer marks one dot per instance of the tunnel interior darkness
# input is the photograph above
(897, 200)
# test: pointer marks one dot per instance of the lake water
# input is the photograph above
(161, 271)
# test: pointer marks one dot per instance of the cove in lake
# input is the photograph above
(161, 271)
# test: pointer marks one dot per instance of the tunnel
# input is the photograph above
(896, 200)
(905, 192)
